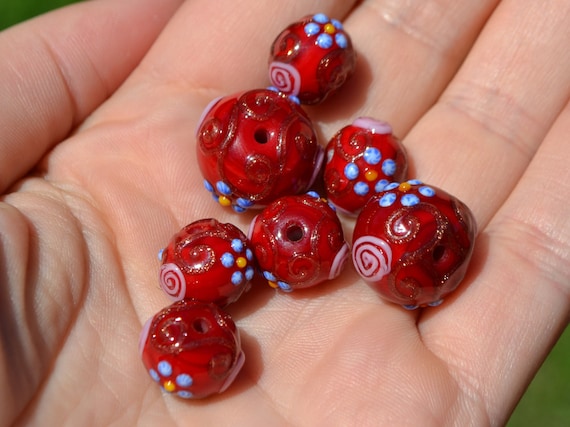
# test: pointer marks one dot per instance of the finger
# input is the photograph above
(480, 136)
(210, 49)
(407, 54)
(56, 69)
(520, 304)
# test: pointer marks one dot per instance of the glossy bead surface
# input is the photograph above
(208, 261)
(255, 147)
(412, 243)
(298, 242)
(192, 349)
(311, 59)
(362, 159)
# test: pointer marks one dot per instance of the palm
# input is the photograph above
(114, 192)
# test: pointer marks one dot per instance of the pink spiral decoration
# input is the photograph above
(285, 77)
(339, 262)
(372, 257)
(172, 281)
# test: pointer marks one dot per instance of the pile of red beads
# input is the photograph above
(258, 149)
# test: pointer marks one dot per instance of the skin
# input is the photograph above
(98, 108)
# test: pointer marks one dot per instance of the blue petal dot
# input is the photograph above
(436, 303)
(154, 375)
(381, 185)
(294, 99)
(391, 186)
(223, 188)
(237, 245)
(244, 203)
(249, 272)
(208, 186)
(389, 167)
(164, 368)
(185, 394)
(184, 380)
(410, 307)
(341, 40)
(388, 199)
(325, 41)
(227, 260)
(372, 156)
(427, 191)
(414, 182)
(312, 29)
(161, 253)
(321, 18)
(410, 200)
(237, 278)
(285, 287)
(361, 188)
(238, 209)
(351, 171)
(337, 24)
(248, 254)
(314, 194)
(269, 276)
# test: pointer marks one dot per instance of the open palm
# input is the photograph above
(98, 170)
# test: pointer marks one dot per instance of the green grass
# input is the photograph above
(14, 11)
(547, 401)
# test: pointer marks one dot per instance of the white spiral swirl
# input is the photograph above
(372, 257)
(172, 281)
(339, 262)
(285, 78)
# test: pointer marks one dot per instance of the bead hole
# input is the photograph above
(295, 233)
(201, 326)
(439, 253)
(261, 136)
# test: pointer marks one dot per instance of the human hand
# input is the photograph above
(93, 187)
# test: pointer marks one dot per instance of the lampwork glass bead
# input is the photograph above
(412, 243)
(192, 349)
(208, 261)
(298, 242)
(311, 59)
(255, 147)
(362, 159)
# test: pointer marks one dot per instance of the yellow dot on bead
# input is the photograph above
(330, 29)
(272, 284)
(241, 262)
(371, 175)
(224, 201)
(405, 186)
(169, 386)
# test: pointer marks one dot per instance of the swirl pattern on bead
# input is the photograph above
(285, 77)
(372, 257)
(172, 281)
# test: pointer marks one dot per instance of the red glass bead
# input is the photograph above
(362, 159)
(208, 261)
(298, 242)
(311, 59)
(255, 147)
(412, 243)
(192, 349)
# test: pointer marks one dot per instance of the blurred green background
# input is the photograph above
(547, 401)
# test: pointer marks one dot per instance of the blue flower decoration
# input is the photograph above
(327, 31)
